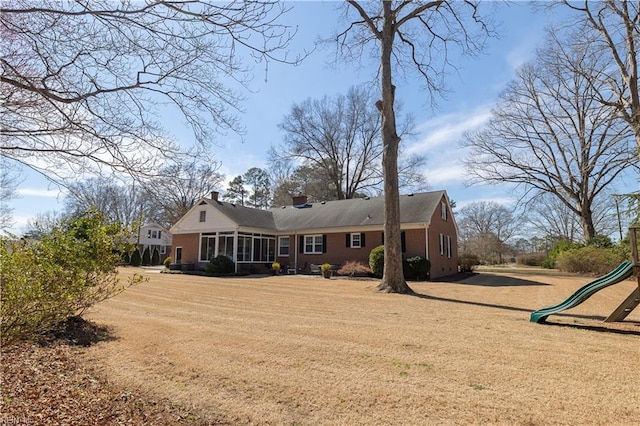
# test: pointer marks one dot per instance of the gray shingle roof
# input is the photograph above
(245, 216)
(415, 208)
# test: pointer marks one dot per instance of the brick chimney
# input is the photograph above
(299, 200)
(214, 195)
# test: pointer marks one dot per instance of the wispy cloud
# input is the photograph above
(37, 192)
(448, 129)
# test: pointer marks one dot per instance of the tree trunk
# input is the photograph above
(586, 221)
(393, 278)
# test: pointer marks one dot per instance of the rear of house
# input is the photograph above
(303, 235)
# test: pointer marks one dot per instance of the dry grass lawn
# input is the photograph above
(304, 350)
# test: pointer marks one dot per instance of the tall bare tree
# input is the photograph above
(85, 84)
(610, 30)
(408, 37)
(550, 134)
(341, 136)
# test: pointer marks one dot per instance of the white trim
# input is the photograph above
(313, 244)
(351, 242)
(280, 237)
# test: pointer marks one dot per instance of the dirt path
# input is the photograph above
(304, 350)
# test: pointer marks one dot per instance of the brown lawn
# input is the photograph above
(309, 351)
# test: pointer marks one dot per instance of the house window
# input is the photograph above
(225, 245)
(178, 255)
(245, 243)
(355, 240)
(163, 249)
(203, 216)
(207, 248)
(154, 234)
(449, 247)
(443, 210)
(313, 244)
(441, 244)
(283, 246)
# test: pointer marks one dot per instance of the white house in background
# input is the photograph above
(157, 237)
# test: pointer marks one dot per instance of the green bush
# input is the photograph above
(468, 262)
(376, 261)
(46, 282)
(220, 264)
(136, 259)
(167, 262)
(146, 257)
(418, 267)
(550, 261)
(589, 260)
(155, 257)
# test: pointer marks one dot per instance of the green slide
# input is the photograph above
(621, 273)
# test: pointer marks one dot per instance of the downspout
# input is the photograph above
(426, 241)
(295, 253)
(235, 246)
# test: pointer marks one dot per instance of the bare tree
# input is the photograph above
(305, 180)
(409, 37)
(610, 31)
(341, 135)
(124, 203)
(86, 83)
(552, 218)
(180, 187)
(486, 227)
(9, 181)
(550, 134)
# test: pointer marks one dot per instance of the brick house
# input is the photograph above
(304, 234)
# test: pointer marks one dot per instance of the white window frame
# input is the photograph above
(163, 249)
(448, 246)
(441, 243)
(203, 216)
(443, 210)
(356, 240)
(281, 246)
(314, 244)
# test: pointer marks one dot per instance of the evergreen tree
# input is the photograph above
(146, 257)
(155, 258)
(135, 258)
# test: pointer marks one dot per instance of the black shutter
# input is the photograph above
(347, 240)
(301, 245)
(324, 243)
(403, 241)
(362, 239)
(382, 243)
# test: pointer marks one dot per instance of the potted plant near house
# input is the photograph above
(326, 270)
(275, 268)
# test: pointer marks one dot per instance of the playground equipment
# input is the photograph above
(621, 273)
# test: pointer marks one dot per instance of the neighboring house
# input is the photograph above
(304, 234)
(155, 237)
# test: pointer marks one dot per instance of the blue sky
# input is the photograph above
(472, 91)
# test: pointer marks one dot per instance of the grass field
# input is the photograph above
(298, 350)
